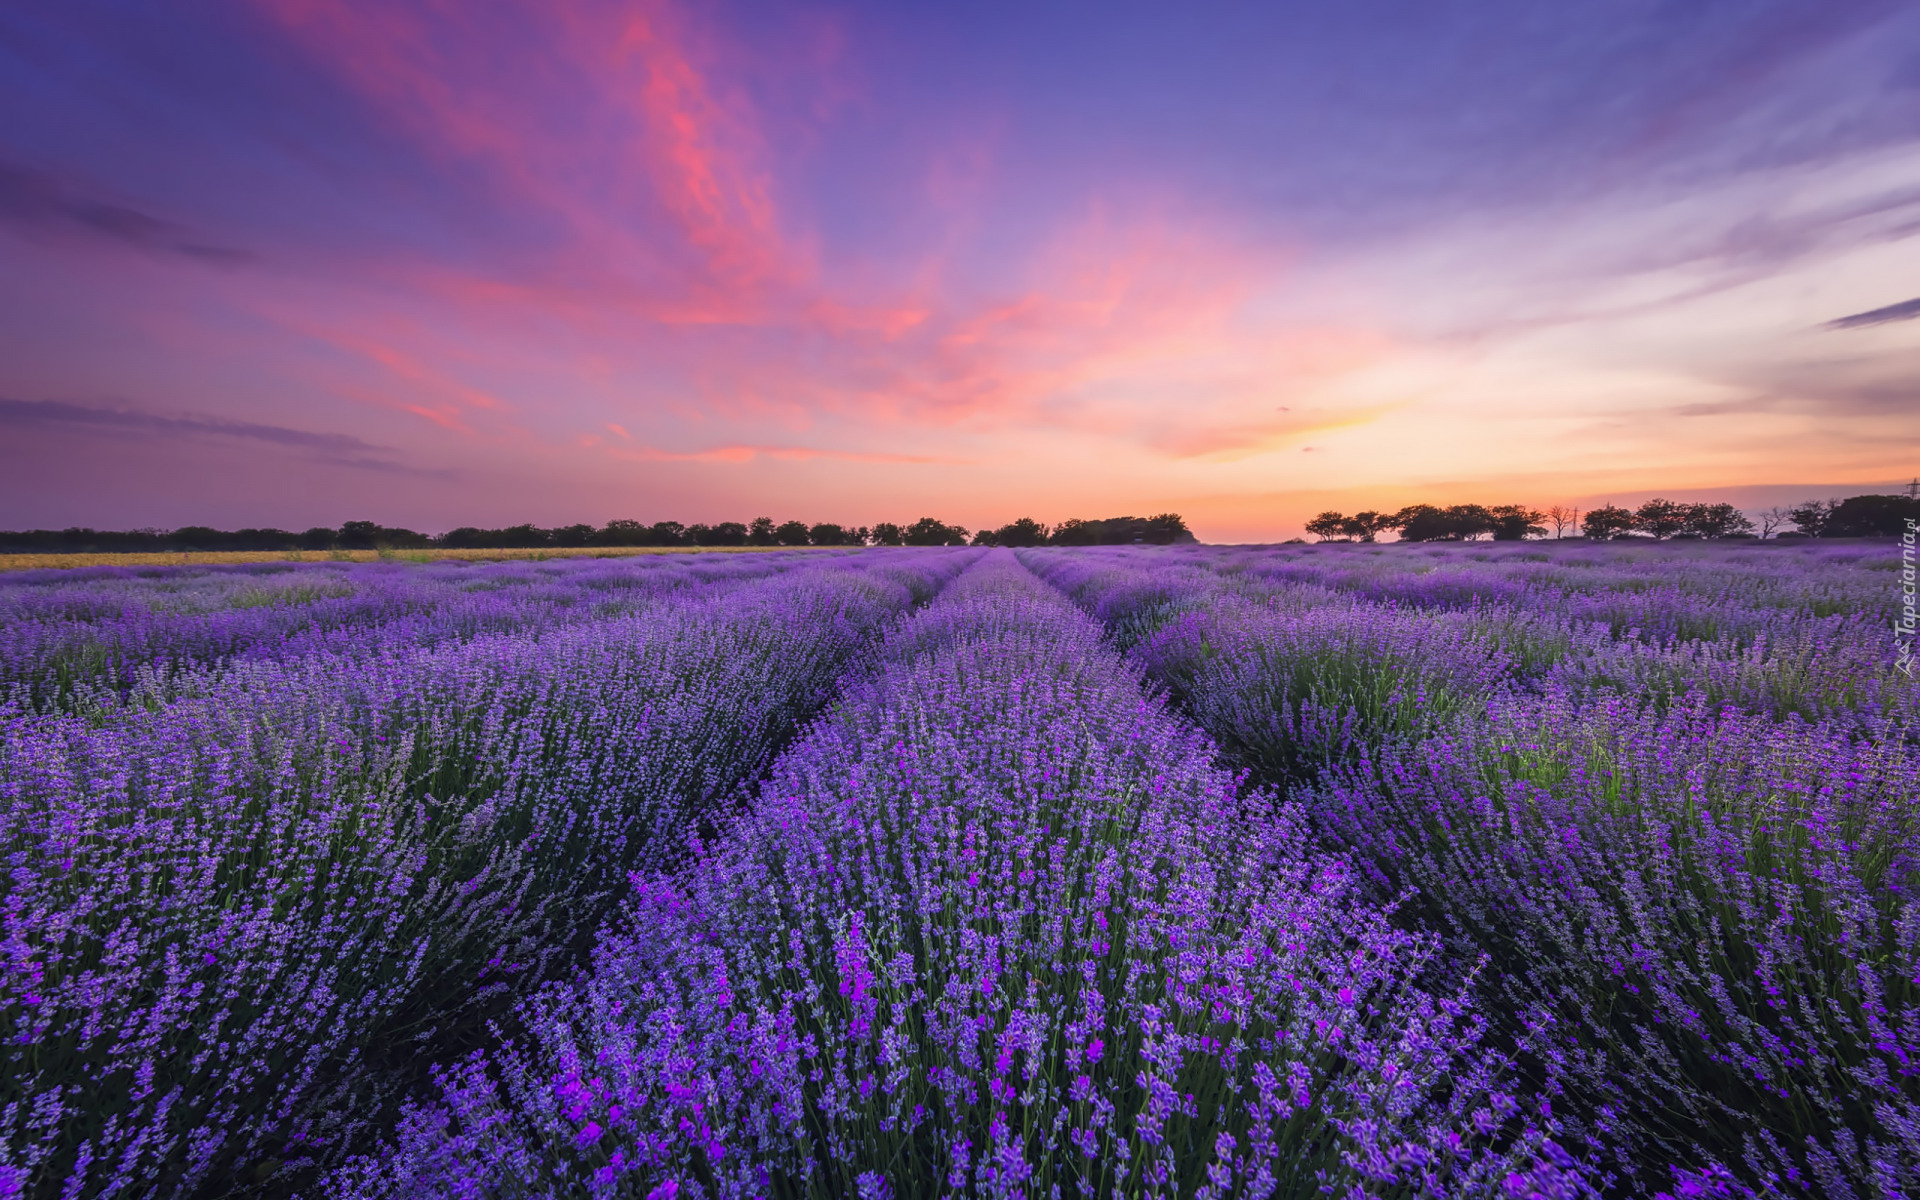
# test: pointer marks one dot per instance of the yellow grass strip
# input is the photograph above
(29, 562)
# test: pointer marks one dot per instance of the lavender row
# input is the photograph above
(1710, 921)
(65, 634)
(997, 926)
(1699, 904)
(1778, 659)
(233, 919)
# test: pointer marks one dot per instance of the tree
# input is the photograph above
(1469, 521)
(929, 532)
(827, 534)
(1660, 518)
(622, 532)
(1328, 525)
(1772, 519)
(573, 535)
(1024, 531)
(1363, 526)
(1421, 523)
(727, 533)
(1516, 523)
(1871, 516)
(791, 533)
(760, 532)
(667, 533)
(698, 535)
(1564, 517)
(1716, 521)
(1163, 529)
(1607, 522)
(1426, 523)
(1810, 517)
(358, 535)
(1075, 531)
(886, 533)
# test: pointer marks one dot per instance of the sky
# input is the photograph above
(296, 262)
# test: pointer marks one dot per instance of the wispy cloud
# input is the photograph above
(338, 448)
(1906, 310)
(35, 200)
(741, 454)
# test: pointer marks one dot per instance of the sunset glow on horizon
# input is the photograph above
(304, 261)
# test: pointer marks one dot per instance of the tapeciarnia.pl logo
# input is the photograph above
(1903, 626)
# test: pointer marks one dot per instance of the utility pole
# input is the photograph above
(1913, 489)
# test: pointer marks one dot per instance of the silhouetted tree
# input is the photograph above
(1075, 531)
(1516, 522)
(622, 532)
(760, 532)
(1161, 529)
(1421, 523)
(1660, 519)
(1564, 517)
(1716, 521)
(828, 534)
(790, 533)
(1164, 529)
(1607, 522)
(1810, 517)
(1363, 526)
(929, 532)
(1470, 521)
(357, 535)
(727, 533)
(1426, 523)
(698, 534)
(1024, 531)
(1773, 518)
(1871, 516)
(1329, 525)
(886, 533)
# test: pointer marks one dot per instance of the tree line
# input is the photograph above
(761, 531)
(1660, 519)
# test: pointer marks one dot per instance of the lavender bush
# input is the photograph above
(997, 927)
(1671, 796)
(1477, 870)
(225, 914)
(1710, 918)
(64, 635)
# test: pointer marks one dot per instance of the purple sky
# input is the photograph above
(304, 261)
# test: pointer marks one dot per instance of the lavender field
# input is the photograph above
(1504, 870)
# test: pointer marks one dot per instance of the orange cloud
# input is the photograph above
(740, 454)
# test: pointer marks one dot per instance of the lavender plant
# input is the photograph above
(67, 635)
(1708, 919)
(1564, 869)
(1689, 853)
(230, 916)
(998, 926)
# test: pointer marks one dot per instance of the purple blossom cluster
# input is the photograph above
(65, 635)
(1664, 800)
(996, 926)
(1360, 871)
(236, 915)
